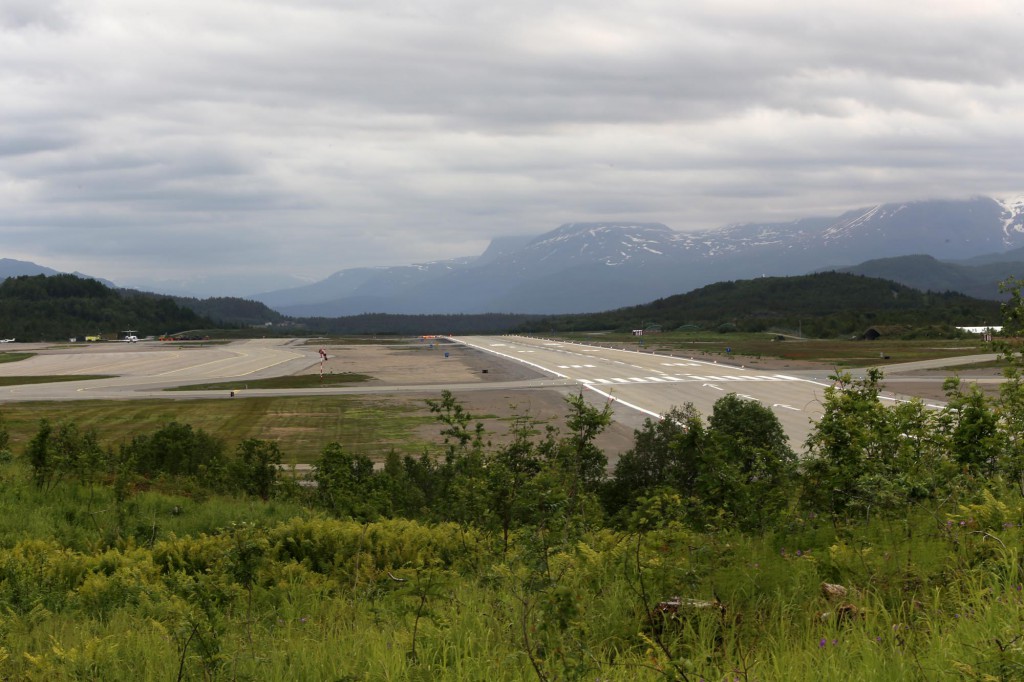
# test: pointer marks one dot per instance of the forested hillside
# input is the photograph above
(385, 323)
(826, 304)
(40, 307)
(232, 311)
(980, 280)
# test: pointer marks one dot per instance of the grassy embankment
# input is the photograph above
(164, 587)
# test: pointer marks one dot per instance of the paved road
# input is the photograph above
(648, 384)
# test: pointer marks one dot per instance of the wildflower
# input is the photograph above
(822, 642)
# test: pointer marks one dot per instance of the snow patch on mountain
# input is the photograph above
(1013, 214)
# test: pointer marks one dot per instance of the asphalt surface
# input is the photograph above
(645, 384)
(145, 369)
(638, 385)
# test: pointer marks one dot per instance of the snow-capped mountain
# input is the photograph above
(1013, 216)
(585, 267)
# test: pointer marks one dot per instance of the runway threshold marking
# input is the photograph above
(512, 357)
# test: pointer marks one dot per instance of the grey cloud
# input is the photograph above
(34, 14)
(309, 137)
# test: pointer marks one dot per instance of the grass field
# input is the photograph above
(303, 425)
(21, 381)
(839, 352)
(14, 357)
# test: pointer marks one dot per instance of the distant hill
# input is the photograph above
(10, 267)
(226, 310)
(413, 325)
(57, 307)
(978, 277)
(825, 304)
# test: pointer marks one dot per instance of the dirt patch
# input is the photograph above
(931, 388)
(497, 409)
(421, 363)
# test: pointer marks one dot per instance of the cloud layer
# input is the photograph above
(152, 140)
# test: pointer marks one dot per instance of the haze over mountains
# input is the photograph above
(966, 246)
(588, 267)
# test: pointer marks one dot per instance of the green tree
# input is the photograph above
(578, 457)
(179, 450)
(400, 481)
(461, 491)
(661, 457)
(65, 451)
(844, 444)
(345, 484)
(509, 473)
(865, 457)
(751, 470)
(5, 440)
(738, 470)
(1010, 407)
(38, 454)
(562, 497)
(971, 425)
(457, 434)
(256, 467)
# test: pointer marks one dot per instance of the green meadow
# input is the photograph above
(303, 425)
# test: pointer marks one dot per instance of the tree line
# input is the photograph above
(40, 307)
(827, 304)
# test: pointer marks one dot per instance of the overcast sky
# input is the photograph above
(144, 139)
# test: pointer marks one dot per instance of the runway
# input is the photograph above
(644, 384)
(145, 369)
(638, 385)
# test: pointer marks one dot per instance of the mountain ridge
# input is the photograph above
(590, 266)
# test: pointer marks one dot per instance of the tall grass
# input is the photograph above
(178, 586)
